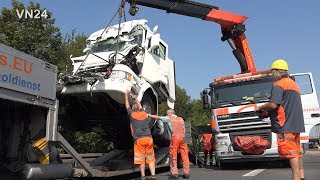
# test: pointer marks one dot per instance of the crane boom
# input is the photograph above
(232, 26)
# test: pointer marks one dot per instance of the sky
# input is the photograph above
(275, 29)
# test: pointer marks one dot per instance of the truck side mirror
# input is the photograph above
(155, 30)
(155, 41)
(86, 49)
(205, 99)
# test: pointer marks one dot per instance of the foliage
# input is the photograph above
(73, 46)
(191, 110)
(199, 116)
(182, 105)
(83, 142)
(37, 37)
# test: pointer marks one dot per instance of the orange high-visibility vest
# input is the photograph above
(177, 124)
(207, 141)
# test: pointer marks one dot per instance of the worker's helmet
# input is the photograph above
(280, 64)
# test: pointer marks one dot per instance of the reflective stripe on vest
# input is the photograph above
(177, 124)
(285, 137)
(207, 138)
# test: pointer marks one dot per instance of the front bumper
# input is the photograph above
(114, 87)
(238, 156)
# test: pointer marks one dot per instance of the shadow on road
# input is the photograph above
(253, 165)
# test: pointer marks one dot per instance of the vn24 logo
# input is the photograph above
(32, 13)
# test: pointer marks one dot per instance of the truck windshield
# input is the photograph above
(110, 44)
(243, 91)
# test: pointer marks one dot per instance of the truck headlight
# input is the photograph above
(121, 75)
(223, 144)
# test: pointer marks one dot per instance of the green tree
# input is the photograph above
(37, 37)
(182, 105)
(86, 142)
(73, 45)
(191, 110)
(199, 116)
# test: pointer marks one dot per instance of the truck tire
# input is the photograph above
(147, 104)
(225, 165)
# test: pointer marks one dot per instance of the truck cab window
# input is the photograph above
(160, 51)
(304, 83)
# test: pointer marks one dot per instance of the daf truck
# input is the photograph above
(232, 101)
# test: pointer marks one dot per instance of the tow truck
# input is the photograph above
(232, 99)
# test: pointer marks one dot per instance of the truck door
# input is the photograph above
(310, 105)
(153, 69)
(167, 70)
(159, 69)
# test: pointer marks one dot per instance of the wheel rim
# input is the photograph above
(147, 107)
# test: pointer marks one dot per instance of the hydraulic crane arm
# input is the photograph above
(232, 26)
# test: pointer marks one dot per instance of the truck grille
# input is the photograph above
(266, 134)
(241, 121)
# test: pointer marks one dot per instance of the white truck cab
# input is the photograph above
(233, 101)
(129, 56)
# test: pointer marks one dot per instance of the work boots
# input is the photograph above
(173, 177)
(186, 176)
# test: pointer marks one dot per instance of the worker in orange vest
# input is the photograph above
(208, 148)
(177, 144)
(286, 114)
(143, 142)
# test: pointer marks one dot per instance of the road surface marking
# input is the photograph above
(254, 172)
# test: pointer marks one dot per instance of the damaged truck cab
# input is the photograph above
(129, 56)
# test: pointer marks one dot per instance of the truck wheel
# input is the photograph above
(225, 165)
(147, 104)
(149, 107)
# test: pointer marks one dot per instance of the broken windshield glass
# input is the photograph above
(127, 39)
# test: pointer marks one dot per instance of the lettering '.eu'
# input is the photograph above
(18, 66)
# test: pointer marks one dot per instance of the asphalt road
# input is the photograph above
(248, 171)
